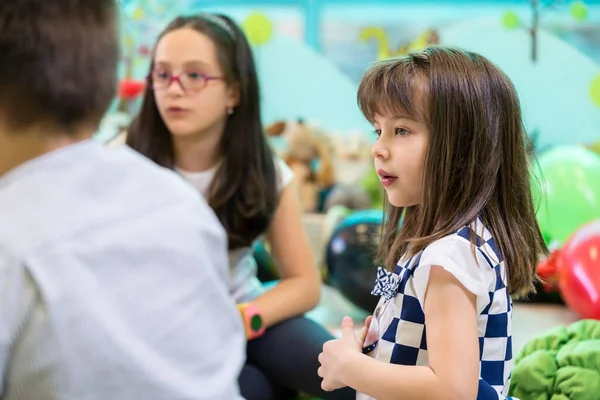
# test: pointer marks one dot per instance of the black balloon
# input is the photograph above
(350, 259)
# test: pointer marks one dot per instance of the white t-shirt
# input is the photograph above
(113, 280)
(245, 286)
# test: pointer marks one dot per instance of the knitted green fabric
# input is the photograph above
(563, 364)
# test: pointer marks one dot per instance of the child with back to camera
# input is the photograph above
(460, 237)
(113, 277)
(201, 117)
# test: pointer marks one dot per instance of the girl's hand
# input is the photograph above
(365, 330)
(336, 354)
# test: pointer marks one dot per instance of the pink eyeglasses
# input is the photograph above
(188, 81)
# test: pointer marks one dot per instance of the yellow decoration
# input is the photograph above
(138, 14)
(128, 42)
(595, 91)
(379, 35)
(258, 28)
(427, 38)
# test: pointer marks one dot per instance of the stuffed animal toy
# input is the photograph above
(308, 156)
(329, 168)
(562, 364)
(351, 154)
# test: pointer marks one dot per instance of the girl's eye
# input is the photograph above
(377, 132)
(401, 131)
(162, 75)
(194, 75)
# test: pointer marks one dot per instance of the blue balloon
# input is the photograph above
(363, 216)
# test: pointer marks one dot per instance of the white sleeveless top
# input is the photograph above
(397, 334)
(244, 285)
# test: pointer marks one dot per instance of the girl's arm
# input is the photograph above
(299, 288)
(453, 349)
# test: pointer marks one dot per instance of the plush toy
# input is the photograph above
(329, 167)
(351, 155)
(308, 156)
(562, 364)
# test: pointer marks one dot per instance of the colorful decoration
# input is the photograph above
(569, 179)
(579, 10)
(130, 89)
(141, 22)
(128, 42)
(511, 20)
(377, 34)
(595, 91)
(578, 266)
(258, 28)
(138, 14)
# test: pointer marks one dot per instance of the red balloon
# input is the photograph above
(547, 270)
(129, 89)
(578, 266)
(584, 232)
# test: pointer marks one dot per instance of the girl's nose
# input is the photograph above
(379, 150)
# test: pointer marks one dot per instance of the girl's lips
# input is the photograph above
(386, 178)
(176, 111)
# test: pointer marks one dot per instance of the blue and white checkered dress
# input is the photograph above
(397, 332)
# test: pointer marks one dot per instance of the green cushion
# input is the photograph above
(562, 364)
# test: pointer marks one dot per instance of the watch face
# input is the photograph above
(256, 322)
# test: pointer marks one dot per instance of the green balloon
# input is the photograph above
(579, 10)
(566, 190)
(511, 20)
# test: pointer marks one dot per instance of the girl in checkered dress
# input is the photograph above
(460, 235)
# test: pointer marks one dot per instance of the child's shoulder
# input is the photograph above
(470, 241)
(470, 254)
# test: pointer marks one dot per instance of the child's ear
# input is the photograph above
(233, 93)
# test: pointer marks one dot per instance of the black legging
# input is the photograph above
(284, 362)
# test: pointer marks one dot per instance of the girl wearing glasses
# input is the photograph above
(201, 117)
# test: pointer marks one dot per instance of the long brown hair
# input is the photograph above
(243, 193)
(476, 163)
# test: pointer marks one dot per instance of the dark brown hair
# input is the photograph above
(476, 164)
(58, 62)
(243, 193)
